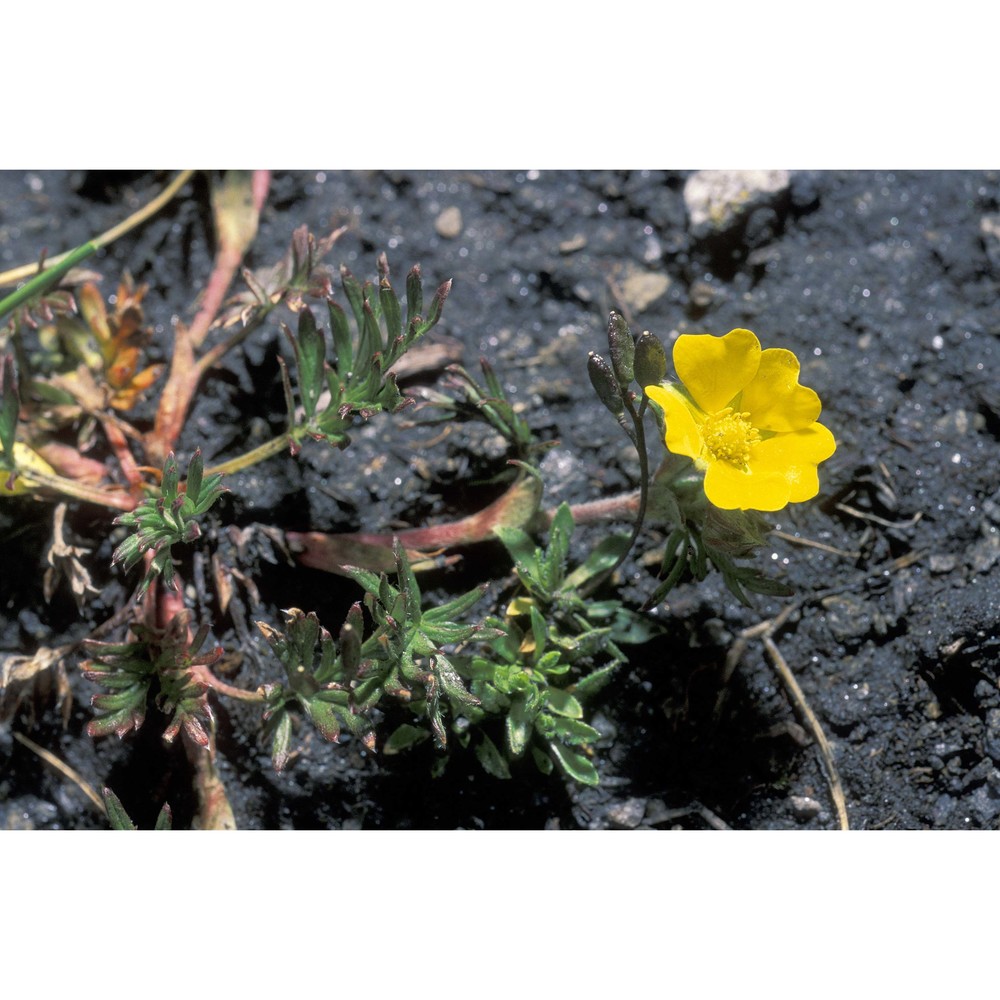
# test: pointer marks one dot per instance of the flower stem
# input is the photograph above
(256, 455)
(640, 516)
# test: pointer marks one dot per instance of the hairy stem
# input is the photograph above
(640, 515)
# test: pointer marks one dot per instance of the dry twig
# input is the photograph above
(64, 769)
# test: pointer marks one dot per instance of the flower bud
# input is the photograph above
(605, 385)
(650, 360)
(622, 348)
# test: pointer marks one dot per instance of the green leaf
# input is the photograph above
(403, 738)
(604, 555)
(117, 817)
(414, 294)
(369, 341)
(593, 682)
(326, 717)
(355, 295)
(9, 406)
(542, 760)
(491, 759)
(407, 583)
(390, 310)
(453, 609)
(572, 730)
(164, 819)
(524, 553)
(563, 703)
(171, 479)
(519, 724)
(451, 682)
(539, 631)
(281, 742)
(342, 343)
(437, 306)
(351, 635)
(366, 578)
(560, 534)
(576, 766)
(311, 355)
(195, 473)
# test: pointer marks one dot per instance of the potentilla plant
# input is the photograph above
(505, 670)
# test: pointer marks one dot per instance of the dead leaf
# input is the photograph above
(64, 560)
(33, 677)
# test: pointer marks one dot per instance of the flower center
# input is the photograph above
(729, 436)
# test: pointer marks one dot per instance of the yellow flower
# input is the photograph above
(741, 414)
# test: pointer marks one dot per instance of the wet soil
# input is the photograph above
(885, 286)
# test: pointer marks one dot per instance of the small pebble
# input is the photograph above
(805, 807)
(627, 815)
(573, 244)
(942, 562)
(449, 223)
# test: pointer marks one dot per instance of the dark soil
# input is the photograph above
(883, 284)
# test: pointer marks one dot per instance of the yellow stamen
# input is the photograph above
(729, 437)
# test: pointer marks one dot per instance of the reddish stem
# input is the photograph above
(119, 444)
(334, 552)
(185, 372)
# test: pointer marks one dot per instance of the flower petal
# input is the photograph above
(682, 434)
(774, 399)
(795, 456)
(782, 470)
(715, 369)
(731, 488)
